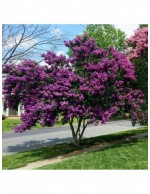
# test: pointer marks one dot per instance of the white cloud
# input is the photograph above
(12, 41)
(60, 53)
(56, 32)
(42, 63)
(129, 29)
(16, 62)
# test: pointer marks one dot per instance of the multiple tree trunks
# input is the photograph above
(78, 133)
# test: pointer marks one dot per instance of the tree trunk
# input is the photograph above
(77, 135)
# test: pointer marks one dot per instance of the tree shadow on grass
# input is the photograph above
(21, 159)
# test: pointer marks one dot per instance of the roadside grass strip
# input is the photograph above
(129, 155)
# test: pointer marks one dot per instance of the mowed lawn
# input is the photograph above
(94, 160)
(9, 124)
(130, 155)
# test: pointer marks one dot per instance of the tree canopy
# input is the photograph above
(92, 85)
(137, 51)
(106, 35)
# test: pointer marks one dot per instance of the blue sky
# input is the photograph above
(71, 30)
(75, 29)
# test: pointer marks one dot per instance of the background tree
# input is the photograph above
(92, 89)
(106, 35)
(143, 25)
(137, 51)
(22, 41)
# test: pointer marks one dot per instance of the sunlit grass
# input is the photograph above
(130, 155)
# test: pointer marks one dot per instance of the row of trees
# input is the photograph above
(92, 85)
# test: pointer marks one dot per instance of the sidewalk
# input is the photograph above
(34, 165)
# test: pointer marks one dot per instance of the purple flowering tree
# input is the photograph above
(137, 52)
(91, 86)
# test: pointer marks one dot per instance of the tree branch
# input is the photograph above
(84, 127)
(16, 35)
(72, 128)
(16, 46)
(79, 125)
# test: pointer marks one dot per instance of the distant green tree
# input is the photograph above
(69, 52)
(106, 35)
(143, 25)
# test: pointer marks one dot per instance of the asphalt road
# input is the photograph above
(15, 142)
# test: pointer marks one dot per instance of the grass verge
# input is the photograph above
(130, 155)
(9, 124)
(23, 158)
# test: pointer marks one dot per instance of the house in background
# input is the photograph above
(8, 112)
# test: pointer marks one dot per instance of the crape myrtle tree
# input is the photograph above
(137, 52)
(90, 86)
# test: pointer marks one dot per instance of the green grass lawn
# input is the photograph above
(23, 158)
(9, 124)
(131, 155)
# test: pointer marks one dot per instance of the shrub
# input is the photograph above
(3, 117)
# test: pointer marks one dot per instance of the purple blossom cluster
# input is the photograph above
(54, 60)
(93, 88)
(24, 81)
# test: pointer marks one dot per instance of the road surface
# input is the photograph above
(15, 142)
